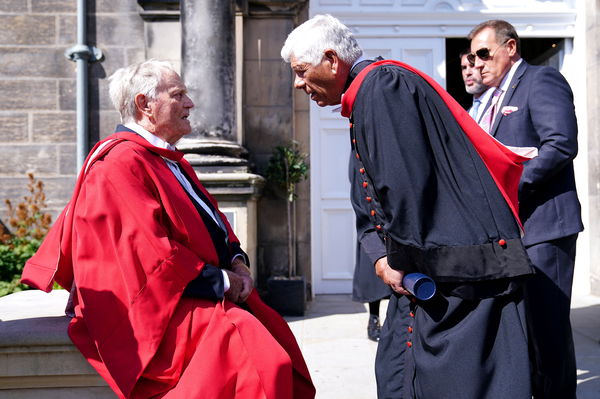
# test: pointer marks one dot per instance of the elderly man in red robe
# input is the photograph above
(161, 295)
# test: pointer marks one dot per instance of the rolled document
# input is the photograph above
(419, 285)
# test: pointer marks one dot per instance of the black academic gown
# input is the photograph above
(366, 285)
(439, 212)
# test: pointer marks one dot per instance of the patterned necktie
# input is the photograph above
(487, 119)
(475, 108)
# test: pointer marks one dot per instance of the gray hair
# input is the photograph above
(308, 41)
(503, 29)
(142, 78)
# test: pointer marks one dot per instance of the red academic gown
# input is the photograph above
(131, 240)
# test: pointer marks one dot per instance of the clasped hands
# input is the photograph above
(240, 282)
(391, 277)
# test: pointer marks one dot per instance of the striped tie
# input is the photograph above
(487, 120)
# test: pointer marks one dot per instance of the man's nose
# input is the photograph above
(188, 102)
(478, 63)
(298, 82)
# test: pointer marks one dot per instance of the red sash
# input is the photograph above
(504, 165)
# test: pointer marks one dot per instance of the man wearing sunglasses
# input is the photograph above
(473, 84)
(535, 108)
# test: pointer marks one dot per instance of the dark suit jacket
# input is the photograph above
(545, 119)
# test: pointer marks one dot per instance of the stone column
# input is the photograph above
(208, 54)
(209, 65)
(208, 69)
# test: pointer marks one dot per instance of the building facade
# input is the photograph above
(39, 131)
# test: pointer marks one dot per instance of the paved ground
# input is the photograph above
(332, 336)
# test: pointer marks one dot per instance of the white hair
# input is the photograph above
(308, 41)
(142, 78)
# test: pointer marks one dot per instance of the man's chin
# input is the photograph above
(323, 103)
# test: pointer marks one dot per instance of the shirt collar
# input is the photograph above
(508, 77)
(359, 60)
(151, 138)
(484, 98)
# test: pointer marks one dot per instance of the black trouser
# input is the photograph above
(548, 304)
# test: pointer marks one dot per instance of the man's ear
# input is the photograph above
(142, 104)
(331, 56)
(511, 47)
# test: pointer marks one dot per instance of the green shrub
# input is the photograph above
(29, 224)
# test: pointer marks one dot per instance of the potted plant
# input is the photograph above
(287, 167)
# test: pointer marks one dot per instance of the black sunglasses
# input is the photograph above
(483, 53)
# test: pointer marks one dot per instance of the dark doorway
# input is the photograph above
(536, 51)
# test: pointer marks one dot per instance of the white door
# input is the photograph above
(334, 234)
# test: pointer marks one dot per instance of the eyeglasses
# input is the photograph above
(483, 53)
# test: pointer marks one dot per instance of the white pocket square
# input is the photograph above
(508, 109)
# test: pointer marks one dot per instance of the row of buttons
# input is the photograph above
(365, 183)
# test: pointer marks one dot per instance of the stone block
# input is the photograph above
(272, 209)
(53, 6)
(259, 161)
(134, 55)
(67, 159)
(114, 58)
(99, 97)
(108, 121)
(67, 30)
(274, 259)
(34, 158)
(13, 6)
(303, 219)
(58, 189)
(67, 94)
(37, 357)
(124, 30)
(266, 127)
(13, 128)
(303, 188)
(60, 393)
(303, 260)
(58, 127)
(28, 94)
(268, 83)
(164, 40)
(301, 100)
(35, 62)
(264, 37)
(115, 6)
(27, 29)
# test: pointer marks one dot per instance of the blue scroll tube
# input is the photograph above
(419, 285)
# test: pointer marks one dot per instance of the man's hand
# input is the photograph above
(390, 276)
(240, 283)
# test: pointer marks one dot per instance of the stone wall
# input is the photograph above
(38, 87)
(269, 120)
(593, 84)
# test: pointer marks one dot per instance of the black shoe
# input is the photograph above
(373, 328)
